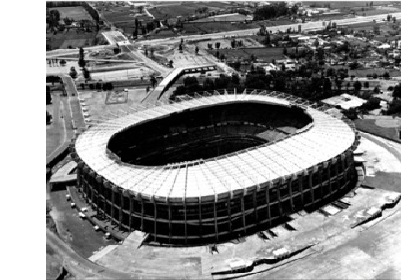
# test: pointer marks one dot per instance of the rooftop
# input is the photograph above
(325, 138)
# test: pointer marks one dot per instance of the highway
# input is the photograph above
(312, 25)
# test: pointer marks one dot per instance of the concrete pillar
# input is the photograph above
(170, 220)
(142, 213)
(199, 216)
(243, 212)
(185, 222)
(254, 199)
(121, 209)
(112, 204)
(289, 186)
(279, 198)
(300, 178)
(311, 186)
(267, 199)
(229, 214)
(216, 229)
(130, 221)
(329, 177)
(321, 185)
(154, 217)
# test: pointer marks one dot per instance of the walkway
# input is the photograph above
(168, 81)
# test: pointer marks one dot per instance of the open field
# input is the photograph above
(344, 4)
(173, 11)
(72, 38)
(377, 71)
(370, 126)
(186, 9)
(266, 54)
(76, 13)
(214, 27)
(226, 43)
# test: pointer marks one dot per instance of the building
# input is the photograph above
(217, 166)
(345, 101)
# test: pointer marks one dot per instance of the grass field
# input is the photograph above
(344, 4)
(369, 125)
(173, 11)
(76, 13)
(378, 71)
(266, 54)
(65, 39)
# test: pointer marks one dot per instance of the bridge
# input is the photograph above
(169, 80)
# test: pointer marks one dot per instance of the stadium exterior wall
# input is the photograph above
(224, 216)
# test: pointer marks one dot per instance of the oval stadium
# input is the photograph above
(215, 166)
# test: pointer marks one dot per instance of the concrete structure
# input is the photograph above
(169, 80)
(286, 157)
(345, 101)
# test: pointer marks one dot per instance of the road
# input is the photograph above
(313, 25)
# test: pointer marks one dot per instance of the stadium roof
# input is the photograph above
(326, 137)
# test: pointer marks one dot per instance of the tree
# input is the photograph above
(372, 104)
(235, 79)
(338, 83)
(397, 91)
(82, 62)
(394, 107)
(153, 81)
(267, 40)
(73, 72)
(353, 65)
(171, 63)
(366, 84)
(357, 85)
(49, 117)
(236, 65)
(86, 74)
(351, 113)
(49, 99)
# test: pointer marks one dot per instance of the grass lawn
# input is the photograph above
(71, 38)
(267, 54)
(369, 126)
(377, 71)
(76, 13)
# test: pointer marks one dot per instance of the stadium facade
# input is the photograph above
(216, 166)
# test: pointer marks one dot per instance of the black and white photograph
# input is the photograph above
(214, 140)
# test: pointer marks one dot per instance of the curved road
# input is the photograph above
(82, 268)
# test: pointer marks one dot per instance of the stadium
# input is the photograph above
(216, 166)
